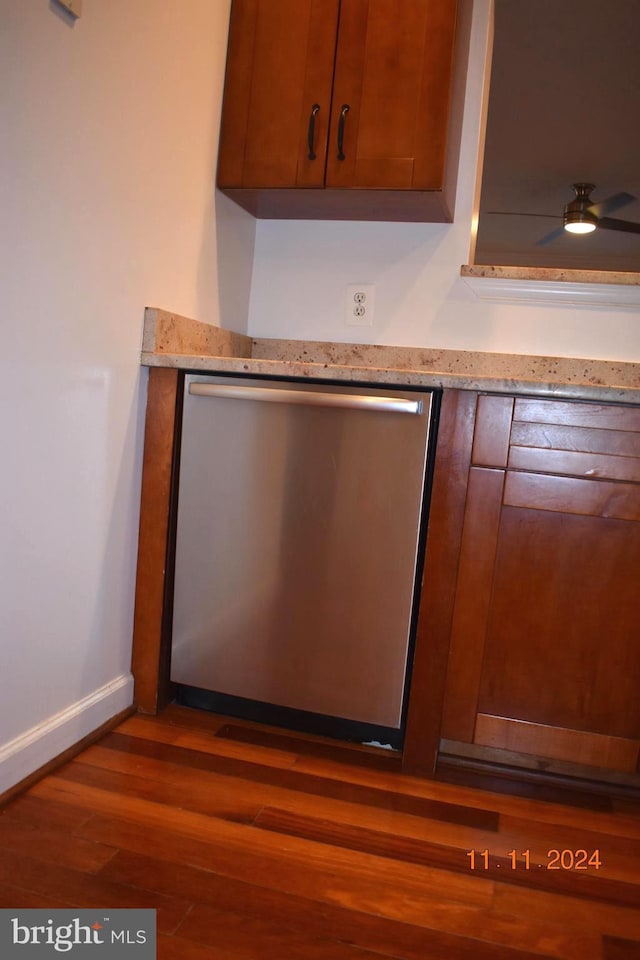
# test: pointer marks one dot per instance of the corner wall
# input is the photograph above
(107, 194)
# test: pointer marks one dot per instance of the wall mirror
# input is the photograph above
(564, 108)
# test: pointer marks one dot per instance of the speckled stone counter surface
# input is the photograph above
(560, 274)
(173, 341)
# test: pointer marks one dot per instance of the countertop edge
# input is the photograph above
(171, 340)
(309, 370)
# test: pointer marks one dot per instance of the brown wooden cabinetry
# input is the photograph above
(338, 109)
(544, 626)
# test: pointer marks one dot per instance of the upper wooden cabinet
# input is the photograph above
(339, 109)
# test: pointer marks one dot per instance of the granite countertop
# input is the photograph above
(608, 278)
(170, 340)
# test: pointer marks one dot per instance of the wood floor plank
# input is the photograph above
(211, 925)
(597, 821)
(236, 942)
(287, 910)
(445, 930)
(238, 934)
(179, 948)
(199, 788)
(538, 905)
(630, 808)
(366, 882)
(255, 844)
(144, 728)
(374, 758)
(615, 948)
(390, 761)
(620, 856)
(412, 788)
(53, 816)
(500, 869)
(276, 738)
(386, 798)
(52, 846)
(202, 794)
(14, 898)
(175, 715)
(604, 808)
(243, 851)
(78, 889)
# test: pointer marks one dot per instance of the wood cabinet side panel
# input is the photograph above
(149, 671)
(446, 514)
(237, 92)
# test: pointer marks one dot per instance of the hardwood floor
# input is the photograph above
(256, 844)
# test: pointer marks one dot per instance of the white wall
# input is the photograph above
(302, 268)
(109, 130)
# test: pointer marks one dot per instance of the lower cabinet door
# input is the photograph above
(545, 653)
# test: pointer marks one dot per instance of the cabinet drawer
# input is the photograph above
(605, 416)
(589, 440)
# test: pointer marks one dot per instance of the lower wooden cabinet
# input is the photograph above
(528, 638)
(544, 619)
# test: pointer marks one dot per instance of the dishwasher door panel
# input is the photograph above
(297, 542)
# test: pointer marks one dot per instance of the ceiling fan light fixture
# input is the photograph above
(578, 217)
(579, 225)
(580, 221)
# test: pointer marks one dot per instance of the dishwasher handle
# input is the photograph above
(349, 401)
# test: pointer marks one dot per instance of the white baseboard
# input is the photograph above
(31, 750)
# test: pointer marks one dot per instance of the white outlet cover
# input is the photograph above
(359, 304)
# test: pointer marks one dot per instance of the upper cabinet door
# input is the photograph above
(277, 93)
(339, 109)
(391, 94)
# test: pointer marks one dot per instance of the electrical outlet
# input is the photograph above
(359, 304)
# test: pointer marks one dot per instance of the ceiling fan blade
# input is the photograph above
(604, 207)
(609, 223)
(516, 213)
(550, 237)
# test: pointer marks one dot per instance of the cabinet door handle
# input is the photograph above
(343, 113)
(311, 135)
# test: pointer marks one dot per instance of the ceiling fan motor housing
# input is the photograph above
(578, 217)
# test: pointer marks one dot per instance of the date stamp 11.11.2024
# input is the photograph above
(555, 859)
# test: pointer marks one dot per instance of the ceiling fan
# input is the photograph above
(582, 215)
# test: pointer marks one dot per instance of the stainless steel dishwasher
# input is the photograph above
(300, 510)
